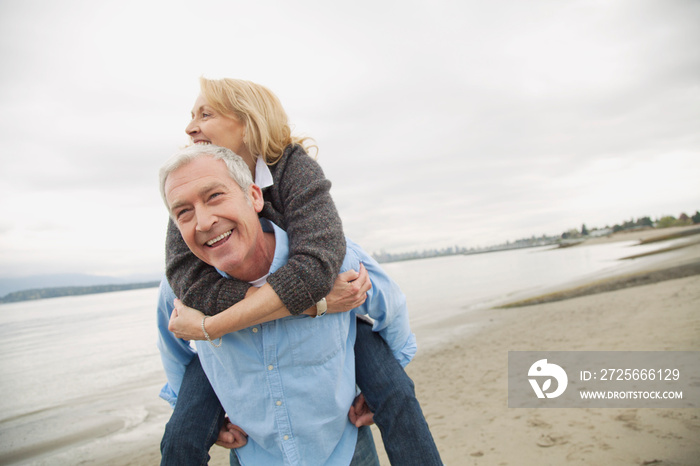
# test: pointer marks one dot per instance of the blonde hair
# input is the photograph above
(267, 127)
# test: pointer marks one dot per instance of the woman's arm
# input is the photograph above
(300, 198)
(349, 291)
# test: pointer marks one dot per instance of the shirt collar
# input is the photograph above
(281, 251)
(263, 175)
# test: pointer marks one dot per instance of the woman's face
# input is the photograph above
(210, 126)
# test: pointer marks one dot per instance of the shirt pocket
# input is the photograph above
(314, 341)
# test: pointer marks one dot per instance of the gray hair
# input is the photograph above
(237, 168)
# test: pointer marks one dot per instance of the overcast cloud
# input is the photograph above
(439, 123)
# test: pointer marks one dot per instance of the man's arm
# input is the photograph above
(175, 353)
(386, 305)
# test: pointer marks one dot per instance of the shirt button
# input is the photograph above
(269, 368)
(286, 437)
(255, 329)
(279, 403)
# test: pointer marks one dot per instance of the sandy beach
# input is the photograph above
(462, 384)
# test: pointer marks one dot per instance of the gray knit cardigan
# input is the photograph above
(299, 202)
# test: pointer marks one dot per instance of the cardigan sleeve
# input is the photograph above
(301, 193)
(195, 282)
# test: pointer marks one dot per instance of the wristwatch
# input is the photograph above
(321, 307)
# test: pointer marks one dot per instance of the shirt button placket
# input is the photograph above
(277, 393)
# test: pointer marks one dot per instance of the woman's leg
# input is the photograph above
(389, 393)
(365, 452)
(194, 425)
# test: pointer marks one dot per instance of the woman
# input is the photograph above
(248, 119)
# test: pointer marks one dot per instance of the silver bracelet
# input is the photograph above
(206, 335)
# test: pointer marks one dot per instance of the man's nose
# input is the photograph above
(205, 219)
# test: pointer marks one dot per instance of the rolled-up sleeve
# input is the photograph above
(385, 304)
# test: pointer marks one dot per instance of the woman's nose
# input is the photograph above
(192, 128)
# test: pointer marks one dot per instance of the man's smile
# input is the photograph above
(219, 239)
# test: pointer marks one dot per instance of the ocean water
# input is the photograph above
(77, 371)
(455, 284)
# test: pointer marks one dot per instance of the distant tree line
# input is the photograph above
(57, 292)
(573, 235)
(531, 242)
(641, 223)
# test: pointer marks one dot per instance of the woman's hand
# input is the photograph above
(231, 436)
(349, 290)
(360, 414)
(186, 323)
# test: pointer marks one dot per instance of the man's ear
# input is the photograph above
(256, 197)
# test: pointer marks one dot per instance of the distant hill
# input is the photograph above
(57, 292)
(34, 282)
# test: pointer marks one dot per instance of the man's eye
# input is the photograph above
(181, 213)
(214, 195)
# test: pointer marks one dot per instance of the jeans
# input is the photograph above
(195, 423)
(388, 390)
(365, 452)
(390, 394)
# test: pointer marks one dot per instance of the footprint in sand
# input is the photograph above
(551, 440)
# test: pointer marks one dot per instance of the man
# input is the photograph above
(287, 383)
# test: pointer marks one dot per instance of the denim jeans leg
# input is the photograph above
(194, 425)
(390, 394)
(233, 459)
(365, 451)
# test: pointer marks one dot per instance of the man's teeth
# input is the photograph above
(211, 242)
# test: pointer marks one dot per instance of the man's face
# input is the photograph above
(218, 223)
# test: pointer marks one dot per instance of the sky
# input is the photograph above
(440, 123)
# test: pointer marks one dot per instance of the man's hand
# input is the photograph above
(360, 414)
(231, 436)
(349, 290)
(186, 323)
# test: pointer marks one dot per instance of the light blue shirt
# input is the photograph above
(290, 383)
